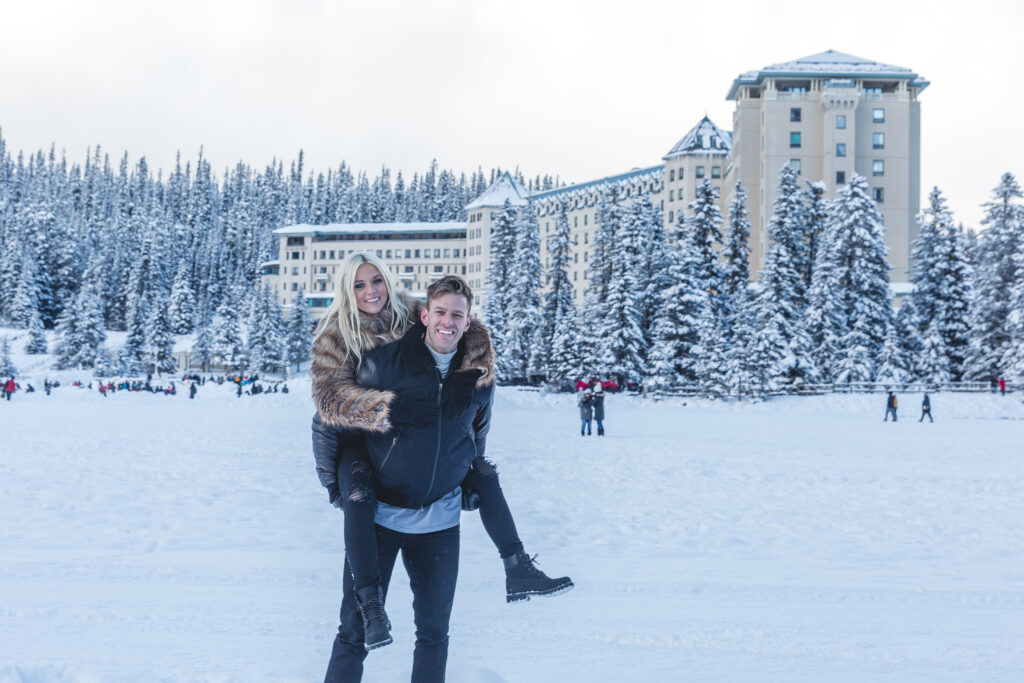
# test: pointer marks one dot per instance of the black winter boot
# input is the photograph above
(376, 626)
(523, 579)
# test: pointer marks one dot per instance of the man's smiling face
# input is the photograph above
(446, 319)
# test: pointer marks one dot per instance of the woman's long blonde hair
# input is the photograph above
(344, 311)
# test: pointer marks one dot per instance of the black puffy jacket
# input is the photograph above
(418, 461)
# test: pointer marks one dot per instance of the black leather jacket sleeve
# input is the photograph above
(482, 424)
(333, 451)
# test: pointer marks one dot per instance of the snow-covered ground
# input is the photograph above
(153, 538)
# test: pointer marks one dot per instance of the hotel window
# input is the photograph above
(877, 167)
(671, 195)
(575, 221)
(795, 164)
(437, 253)
(840, 149)
(700, 171)
(794, 114)
(878, 140)
(671, 216)
(878, 115)
(295, 270)
(794, 139)
(841, 122)
(716, 171)
(388, 254)
(584, 219)
(408, 253)
(380, 254)
(840, 177)
(416, 253)
(447, 253)
(455, 253)
(295, 286)
(680, 174)
(879, 195)
(672, 174)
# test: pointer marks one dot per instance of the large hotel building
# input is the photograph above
(828, 116)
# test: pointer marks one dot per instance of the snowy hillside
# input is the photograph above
(150, 537)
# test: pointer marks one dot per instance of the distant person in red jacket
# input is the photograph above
(1002, 386)
(9, 388)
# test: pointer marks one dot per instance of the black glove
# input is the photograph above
(334, 495)
(458, 393)
(413, 411)
(470, 498)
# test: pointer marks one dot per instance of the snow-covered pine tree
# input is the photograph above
(80, 328)
(620, 328)
(929, 261)
(159, 345)
(266, 338)
(524, 322)
(7, 368)
(24, 303)
(300, 332)
(671, 359)
(654, 274)
(736, 253)
(933, 364)
(816, 209)
(502, 253)
(713, 356)
(893, 364)
(36, 336)
(783, 344)
(860, 259)
(202, 349)
(955, 321)
(905, 323)
(995, 273)
(560, 336)
(183, 307)
(228, 349)
(705, 226)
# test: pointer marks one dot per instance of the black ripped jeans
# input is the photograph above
(361, 504)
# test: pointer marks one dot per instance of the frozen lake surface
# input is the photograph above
(153, 538)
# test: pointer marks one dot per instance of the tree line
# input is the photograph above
(676, 308)
(102, 245)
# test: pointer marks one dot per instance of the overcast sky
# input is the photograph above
(575, 89)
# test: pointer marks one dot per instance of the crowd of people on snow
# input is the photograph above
(246, 384)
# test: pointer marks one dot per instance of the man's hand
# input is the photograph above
(413, 412)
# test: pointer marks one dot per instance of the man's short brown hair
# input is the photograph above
(450, 284)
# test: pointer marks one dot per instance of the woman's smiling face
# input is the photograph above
(371, 294)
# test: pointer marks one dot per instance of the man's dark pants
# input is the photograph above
(432, 563)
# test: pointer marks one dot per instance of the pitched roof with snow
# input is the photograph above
(827, 64)
(505, 187)
(372, 228)
(704, 138)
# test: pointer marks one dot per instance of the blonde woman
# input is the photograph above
(368, 313)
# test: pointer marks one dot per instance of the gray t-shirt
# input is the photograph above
(442, 513)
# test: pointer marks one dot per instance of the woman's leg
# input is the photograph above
(522, 577)
(494, 513)
(361, 551)
(360, 508)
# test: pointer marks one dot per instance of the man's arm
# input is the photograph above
(482, 422)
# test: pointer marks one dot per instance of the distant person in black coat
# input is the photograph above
(926, 408)
(598, 401)
(890, 407)
(586, 403)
